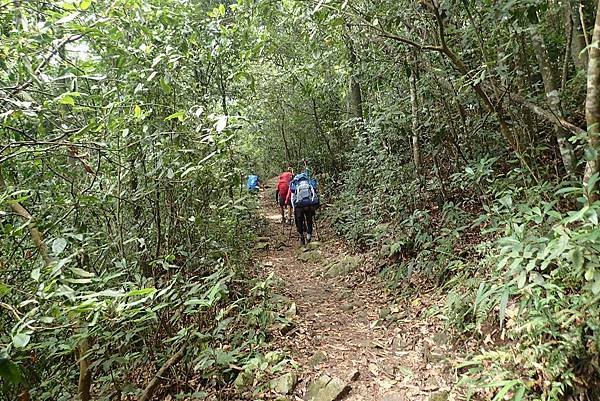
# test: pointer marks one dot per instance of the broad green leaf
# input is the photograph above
(221, 123)
(180, 115)
(66, 19)
(522, 279)
(590, 273)
(85, 4)
(137, 112)
(21, 340)
(141, 292)
(68, 100)
(59, 245)
(82, 273)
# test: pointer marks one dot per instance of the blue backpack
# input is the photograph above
(252, 182)
(304, 192)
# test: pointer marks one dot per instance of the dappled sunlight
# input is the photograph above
(273, 217)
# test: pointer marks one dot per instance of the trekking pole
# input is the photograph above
(289, 235)
(316, 228)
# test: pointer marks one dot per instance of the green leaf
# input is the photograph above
(66, 19)
(85, 4)
(502, 307)
(596, 284)
(21, 340)
(576, 256)
(35, 274)
(522, 279)
(180, 115)
(137, 112)
(141, 292)
(221, 123)
(82, 273)
(68, 100)
(590, 273)
(59, 245)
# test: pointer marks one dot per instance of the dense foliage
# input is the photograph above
(456, 139)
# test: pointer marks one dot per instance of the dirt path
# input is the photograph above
(347, 326)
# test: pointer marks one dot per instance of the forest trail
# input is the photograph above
(347, 326)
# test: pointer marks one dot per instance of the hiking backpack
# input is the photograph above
(305, 194)
(252, 182)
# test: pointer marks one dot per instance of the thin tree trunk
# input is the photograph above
(592, 108)
(552, 92)
(355, 90)
(285, 144)
(85, 374)
(414, 100)
(158, 377)
(578, 42)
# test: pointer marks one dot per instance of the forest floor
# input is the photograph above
(347, 326)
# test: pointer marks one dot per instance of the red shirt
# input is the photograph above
(283, 185)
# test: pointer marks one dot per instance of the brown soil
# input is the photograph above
(353, 323)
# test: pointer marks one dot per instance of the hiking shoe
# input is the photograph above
(308, 238)
(302, 242)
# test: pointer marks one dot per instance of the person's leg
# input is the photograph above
(310, 214)
(299, 217)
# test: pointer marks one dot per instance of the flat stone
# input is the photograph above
(439, 396)
(243, 379)
(441, 338)
(317, 358)
(262, 245)
(314, 245)
(347, 307)
(353, 375)
(327, 388)
(384, 312)
(284, 384)
(345, 266)
(310, 256)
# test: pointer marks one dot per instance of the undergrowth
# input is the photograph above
(518, 261)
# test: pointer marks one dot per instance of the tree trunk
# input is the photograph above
(85, 375)
(552, 92)
(355, 90)
(578, 42)
(592, 108)
(414, 100)
(285, 144)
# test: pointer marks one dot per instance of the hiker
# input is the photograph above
(281, 194)
(253, 184)
(304, 200)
